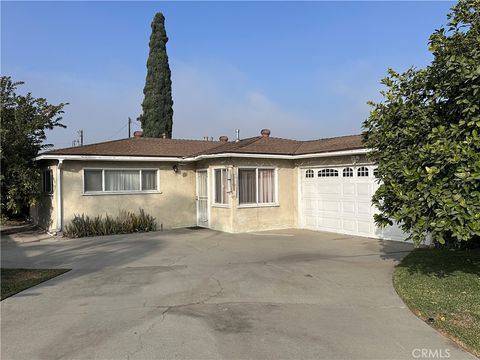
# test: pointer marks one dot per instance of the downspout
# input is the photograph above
(59, 196)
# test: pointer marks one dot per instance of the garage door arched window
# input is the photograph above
(362, 172)
(309, 173)
(348, 172)
(327, 172)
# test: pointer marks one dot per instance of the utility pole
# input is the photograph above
(129, 126)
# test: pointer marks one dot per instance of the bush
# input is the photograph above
(125, 223)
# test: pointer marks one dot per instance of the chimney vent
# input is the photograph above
(237, 132)
(164, 135)
(265, 133)
(138, 134)
(223, 138)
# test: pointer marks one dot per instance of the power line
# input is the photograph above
(116, 133)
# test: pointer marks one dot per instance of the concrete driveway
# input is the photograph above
(200, 294)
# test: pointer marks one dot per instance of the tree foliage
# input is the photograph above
(157, 117)
(24, 122)
(425, 137)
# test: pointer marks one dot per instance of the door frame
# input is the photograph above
(197, 172)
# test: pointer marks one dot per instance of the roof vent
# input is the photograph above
(223, 138)
(265, 133)
(237, 135)
(138, 134)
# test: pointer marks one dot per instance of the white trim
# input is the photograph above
(214, 186)
(108, 158)
(299, 198)
(284, 157)
(275, 203)
(59, 196)
(197, 200)
(201, 157)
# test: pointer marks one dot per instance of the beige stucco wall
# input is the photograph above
(44, 213)
(174, 206)
(235, 218)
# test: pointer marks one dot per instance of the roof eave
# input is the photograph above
(202, 157)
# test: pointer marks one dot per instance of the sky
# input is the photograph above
(305, 70)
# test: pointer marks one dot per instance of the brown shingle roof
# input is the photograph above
(185, 148)
(349, 142)
(140, 147)
(272, 145)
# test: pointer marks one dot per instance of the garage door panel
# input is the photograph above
(364, 227)
(348, 189)
(328, 189)
(330, 205)
(348, 207)
(341, 204)
(349, 225)
(364, 189)
(311, 220)
(330, 223)
(364, 208)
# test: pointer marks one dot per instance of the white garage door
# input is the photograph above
(338, 199)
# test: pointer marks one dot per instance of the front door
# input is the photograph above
(202, 198)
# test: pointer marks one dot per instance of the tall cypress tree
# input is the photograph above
(157, 117)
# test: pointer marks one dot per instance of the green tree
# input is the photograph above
(425, 137)
(157, 117)
(24, 122)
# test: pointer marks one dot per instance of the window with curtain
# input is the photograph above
(256, 186)
(119, 180)
(221, 186)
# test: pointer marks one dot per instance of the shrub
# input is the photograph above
(125, 223)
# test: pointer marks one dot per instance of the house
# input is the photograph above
(259, 183)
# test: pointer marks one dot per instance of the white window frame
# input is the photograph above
(309, 174)
(214, 187)
(363, 171)
(327, 173)
(126, 192)
(350, 170)
(257, 204)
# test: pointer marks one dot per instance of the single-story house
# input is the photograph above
(253, 184)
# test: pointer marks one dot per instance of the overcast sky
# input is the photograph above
(304, 70)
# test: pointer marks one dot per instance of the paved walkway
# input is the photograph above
(200, 294)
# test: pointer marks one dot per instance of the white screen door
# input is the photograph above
(202, 198)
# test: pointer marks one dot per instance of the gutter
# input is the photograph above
(200, 157)
(59, 196)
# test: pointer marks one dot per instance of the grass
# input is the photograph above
(442, 287)
(16, 280)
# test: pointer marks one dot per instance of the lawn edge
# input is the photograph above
(41, 282)
(416, 311)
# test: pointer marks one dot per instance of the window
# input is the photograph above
(47, 181)
(363, 171)
(256, 186)
(327, 172)
(348, 172)
(375, 173)
(309, 173)
(119, 180)
(221, 186)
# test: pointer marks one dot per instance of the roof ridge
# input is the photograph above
(330, 138)
(83, 146)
